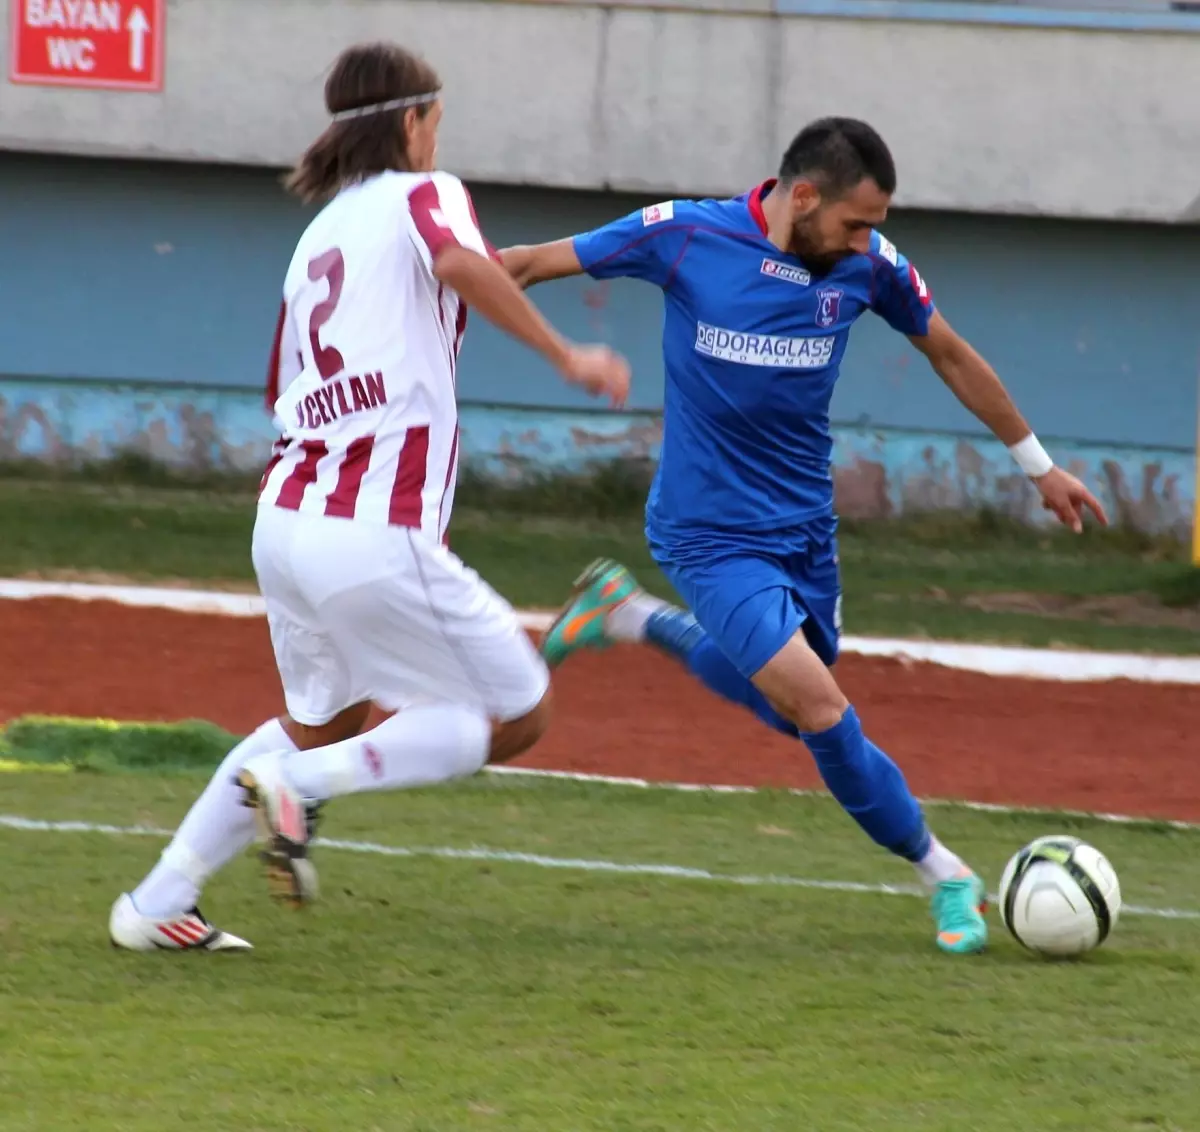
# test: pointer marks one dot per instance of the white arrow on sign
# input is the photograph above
(137, 27)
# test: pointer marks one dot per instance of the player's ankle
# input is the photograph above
(627, 620)
(939, 864)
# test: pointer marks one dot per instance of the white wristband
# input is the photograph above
(1031, 457)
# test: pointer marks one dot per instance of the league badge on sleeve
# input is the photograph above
(888, 250)
(656, 213)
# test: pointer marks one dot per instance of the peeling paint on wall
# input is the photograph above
(877, 473)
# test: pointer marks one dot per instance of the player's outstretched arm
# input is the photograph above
(487, 286)
(973, 381)
(537, 263)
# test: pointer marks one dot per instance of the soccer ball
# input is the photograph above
(1060, 896)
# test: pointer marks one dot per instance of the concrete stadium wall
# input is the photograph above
(878, 472)
(989, 108)
(139, 301)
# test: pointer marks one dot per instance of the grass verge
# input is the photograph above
(431, 995)
(978, 578)
(106, 746)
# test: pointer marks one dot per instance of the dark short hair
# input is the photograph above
(837, 154)
(347, 151)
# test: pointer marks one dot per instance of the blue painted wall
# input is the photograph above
(876, 473)
(138, 303)
(158, 273)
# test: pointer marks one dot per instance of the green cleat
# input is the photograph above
(958, 908)
(603, 586)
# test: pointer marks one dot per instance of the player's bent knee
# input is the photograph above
(801, 688)
(345, 725)
(514, 737)
(811, 711)
(814, 718)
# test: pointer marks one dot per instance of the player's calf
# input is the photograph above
(866, 782)
(215, 830)
(606, 605)
(642, 618)
(872, 789)
(420, 746)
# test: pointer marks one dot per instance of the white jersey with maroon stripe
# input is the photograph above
(362, 378)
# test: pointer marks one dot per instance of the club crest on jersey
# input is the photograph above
(829, 306)
(656, 213)
(785, 271)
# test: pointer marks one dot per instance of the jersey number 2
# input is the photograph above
(332, 267)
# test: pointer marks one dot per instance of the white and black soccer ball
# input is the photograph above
(1060, 897)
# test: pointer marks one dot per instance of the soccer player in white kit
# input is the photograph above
(364, 600)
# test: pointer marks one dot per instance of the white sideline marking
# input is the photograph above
(581, 864)
(992, 660)
(149, 597)
(706, 788)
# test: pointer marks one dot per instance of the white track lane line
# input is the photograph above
(993, 660)
(580, 864)
(1048, 812)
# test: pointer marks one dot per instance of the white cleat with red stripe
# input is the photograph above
(129, 929)
(283, 822)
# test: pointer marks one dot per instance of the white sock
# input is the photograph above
(628, 621)
(416, 747)
(940, 864)
(216, 829)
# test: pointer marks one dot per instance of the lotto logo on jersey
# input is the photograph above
(919, 286)
(657, 213)
(763, 349)
(785, 271)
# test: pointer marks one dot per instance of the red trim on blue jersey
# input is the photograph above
(754, 202)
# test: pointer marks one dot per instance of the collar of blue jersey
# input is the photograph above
(754, 201)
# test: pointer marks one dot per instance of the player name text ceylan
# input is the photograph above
(327, 404)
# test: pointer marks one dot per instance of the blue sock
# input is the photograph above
(679, 634)
(869, 786)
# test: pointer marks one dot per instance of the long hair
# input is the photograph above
(350, 150)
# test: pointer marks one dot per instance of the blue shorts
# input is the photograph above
(752, 594)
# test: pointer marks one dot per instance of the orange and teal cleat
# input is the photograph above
(958, 908)
(603, 586)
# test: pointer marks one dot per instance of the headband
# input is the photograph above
(390, 104)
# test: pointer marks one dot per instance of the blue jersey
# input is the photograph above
(752, 343)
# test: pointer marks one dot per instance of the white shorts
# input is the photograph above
(361, 612)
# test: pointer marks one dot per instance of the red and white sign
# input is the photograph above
(112, 44)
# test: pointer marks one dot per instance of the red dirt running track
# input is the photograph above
(1116, 747)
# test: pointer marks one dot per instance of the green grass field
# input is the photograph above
(521, 953)
(441, 994)
(977, 579)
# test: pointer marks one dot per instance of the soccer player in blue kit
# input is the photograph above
(760, 294)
